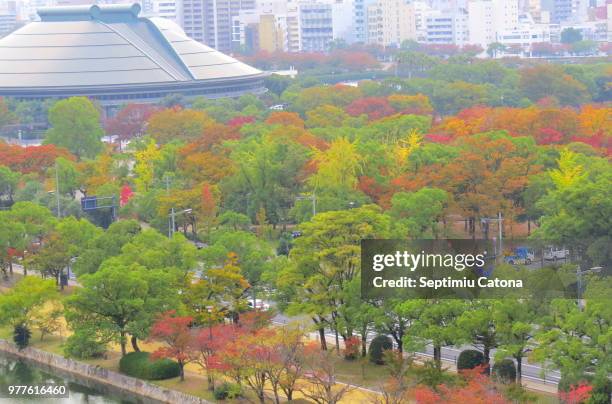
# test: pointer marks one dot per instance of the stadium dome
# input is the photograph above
(109, 53)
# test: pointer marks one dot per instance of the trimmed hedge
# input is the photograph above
(139, 364)
(378, 346)
(505, 371)
(469, 359)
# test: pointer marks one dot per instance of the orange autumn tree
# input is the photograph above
(208, 209)
(285, 118)
(177, 123)
(32, 159)
(476, 389)
(595, 119)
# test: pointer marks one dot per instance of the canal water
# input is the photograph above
(17, 371)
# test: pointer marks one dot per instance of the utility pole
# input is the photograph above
(57, 198)
(171, 222)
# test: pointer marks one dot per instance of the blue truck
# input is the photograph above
(520, 256)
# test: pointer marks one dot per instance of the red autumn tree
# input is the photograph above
(206, 345)
(373, 107)
(175, 333)
(577, 394)
(239, 121)
(126, 195)
(131, 121)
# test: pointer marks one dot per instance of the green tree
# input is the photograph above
(513, 321)
(421, 211)
(219, 292)
(67, 174)
(552, 81)
(495, 48)
(571, 35)
(436, 324)
(37, 222)
(53, 258)
(252, 253)
(19, 305)
(578, 210)
(12, 236)
(76, 126)
(577, 342)
(8, 183)
(105, 245)
(119, 300)
(327, 257)
(478, 327)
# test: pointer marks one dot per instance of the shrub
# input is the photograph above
(505, 371)
(227, 390)
(351, 348)
(83, 345)
(21, 336)
(139, 364)
(378, 346)
(469, 359)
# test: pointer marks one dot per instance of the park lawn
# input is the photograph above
(361, 372)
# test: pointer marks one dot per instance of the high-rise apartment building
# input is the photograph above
(360, 21)
(448, 26)
(169, 9)
(488, 18)
(315, 26)
(211, 21)
(390, 22)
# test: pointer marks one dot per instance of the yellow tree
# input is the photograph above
(570, 171)
(403, 149)
(338, 166)
(145, 161)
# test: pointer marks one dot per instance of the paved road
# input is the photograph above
(18, 269)
(450, 354)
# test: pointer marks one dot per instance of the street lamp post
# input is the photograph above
(499, 221)
(57, 198)
(172, 216)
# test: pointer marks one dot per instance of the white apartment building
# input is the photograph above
(447, 27)
(343, 20)
(421, 10)
(315, 26)
(488, 18)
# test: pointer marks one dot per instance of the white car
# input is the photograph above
(553, 254)
(259, 304)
